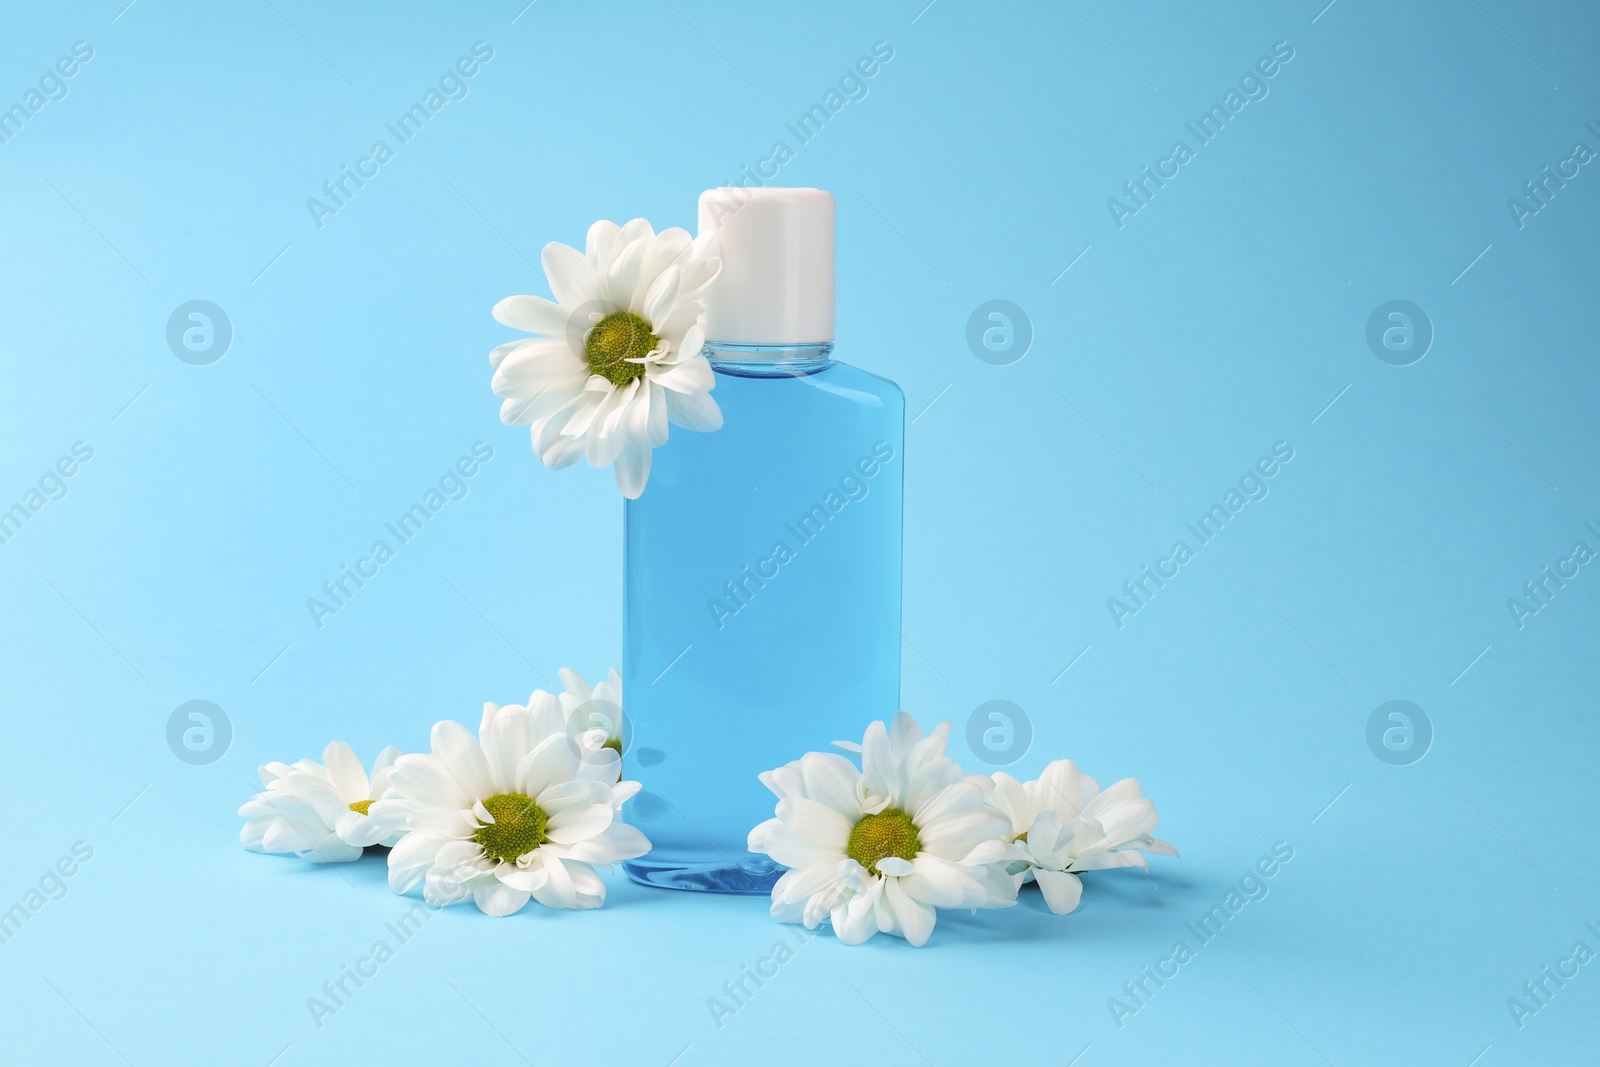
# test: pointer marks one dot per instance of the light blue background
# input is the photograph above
(1224, 317)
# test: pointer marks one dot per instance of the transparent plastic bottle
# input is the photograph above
(762, 595)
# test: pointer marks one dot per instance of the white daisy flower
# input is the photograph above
(319, 811)
(876, 850)
(588, 710)
(620, 356)
(522, 810)
(1063, 824)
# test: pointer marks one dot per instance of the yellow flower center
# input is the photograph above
(614, 340)
(888, 833)
(518, 827)
(361, 806)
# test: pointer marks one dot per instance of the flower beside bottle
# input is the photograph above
(526, 809)
(531, 806)
(882, 848)
(619, 358)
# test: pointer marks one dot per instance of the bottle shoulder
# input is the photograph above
(868, 382)
(860, 388)
(766, 382)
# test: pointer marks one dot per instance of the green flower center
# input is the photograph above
(614, 744)
(518, 827)
(888, 833)
(362, 806)
(614, 340)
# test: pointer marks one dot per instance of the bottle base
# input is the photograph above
(753, 875)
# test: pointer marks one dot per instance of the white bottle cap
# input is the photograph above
(776, 285)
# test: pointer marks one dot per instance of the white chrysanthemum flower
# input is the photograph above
(620, 356)
(876, 850)
(525, 809)
(1063, 824)
(319, 811)
(599, 708)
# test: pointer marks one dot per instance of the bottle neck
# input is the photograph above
(768, 361)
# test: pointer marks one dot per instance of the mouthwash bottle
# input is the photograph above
(762, 575)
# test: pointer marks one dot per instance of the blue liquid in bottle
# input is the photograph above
(762, 602)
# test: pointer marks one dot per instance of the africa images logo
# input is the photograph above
(452, 85)
(1253, 86)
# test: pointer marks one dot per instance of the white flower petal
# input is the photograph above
(442, 888)
(393, 814)
(423, 778)
(498, 353)
(551, 762)
(694, 339)
(346, 773)
(627, 842)
(698, 273)
(354, 828)
(783, 844)
(331, 850)
(632, 469)
(941, 797)
(575, 691)
(894, 867)
(556, 451)
(574, 793)
(586, 884)
(410, 859)
(270, 772)
(956, 835)
(1063, 788)
(253, 831)
(539, 370)
(496, 898)
(667, 251)
(445, 823)
(1062, 891)
(459, 854)
(462, 756)
(624, 281)
(527, 879)
(1106, 860)
(856, 920)
(815, 821)
(799, 883)
(634, 231)
(533, 314)
(830, 779)
(579, 823)
(913, 919)
(572, 281)
(1154, 846)
(662, 295)
(1013, 801)
(940, 882)
(386, 757)
(283, 836)
(603, 446)
(601, 244)
(690, 376)
(656, 423)
(506, 737)
(557, 890)
(697, 411)
(879, 767)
